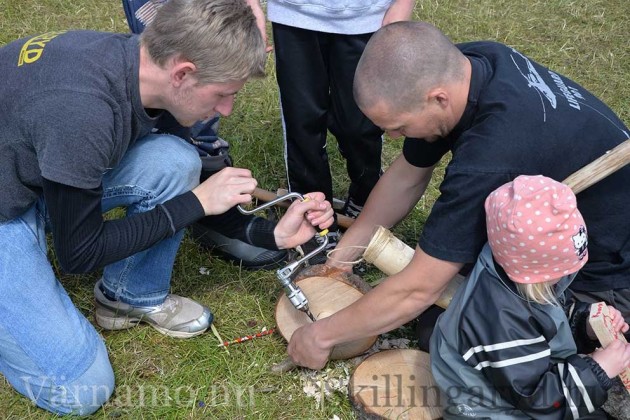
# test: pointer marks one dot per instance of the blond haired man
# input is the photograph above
(78, 110)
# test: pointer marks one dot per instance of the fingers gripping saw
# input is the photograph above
(286, 274)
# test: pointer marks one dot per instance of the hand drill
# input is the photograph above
(286, 274)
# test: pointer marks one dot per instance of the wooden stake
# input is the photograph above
(600, 168)
(601, 322)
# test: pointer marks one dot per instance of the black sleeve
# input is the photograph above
(456, 227)
(424, 154)
(253, 230)
(84, 241)
(578, 314)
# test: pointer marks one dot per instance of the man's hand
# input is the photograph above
(260, 21)
(296, 226)
(397, 300)
(225, 189)
(305, 350)
(399, 10)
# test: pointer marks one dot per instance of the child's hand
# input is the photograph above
(617, 322)
(614, 358)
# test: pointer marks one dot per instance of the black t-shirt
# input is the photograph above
(522, 118)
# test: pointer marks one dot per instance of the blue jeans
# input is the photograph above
(49, 351)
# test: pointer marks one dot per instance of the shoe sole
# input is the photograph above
(109, 321)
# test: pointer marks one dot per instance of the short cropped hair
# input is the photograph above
(401, 62)
(219, 36)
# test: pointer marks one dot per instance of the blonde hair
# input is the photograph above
(542, 293)
(219, 36)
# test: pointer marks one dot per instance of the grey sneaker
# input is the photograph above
(177, 317)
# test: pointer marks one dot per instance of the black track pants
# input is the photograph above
(315, 71)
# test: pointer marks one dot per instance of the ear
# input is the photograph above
(439, 97)
(182, 72)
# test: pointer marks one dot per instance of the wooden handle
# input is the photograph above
(600, 168)
(264, 195)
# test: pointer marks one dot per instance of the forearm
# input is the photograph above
(393, 197)
(255, 231)
(84, 241)
(399, 10)
(399, 299)
(255, 5)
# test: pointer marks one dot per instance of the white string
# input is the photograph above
(329, 253)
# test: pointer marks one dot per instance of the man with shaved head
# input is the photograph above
(501, 115)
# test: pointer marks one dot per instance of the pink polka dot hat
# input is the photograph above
(535, 230)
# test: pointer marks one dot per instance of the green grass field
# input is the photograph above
(159, 377)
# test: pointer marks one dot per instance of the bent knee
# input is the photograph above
(90, 394)
(179, 163)
(80, 397)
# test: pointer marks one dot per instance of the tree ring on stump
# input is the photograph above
(396, 384)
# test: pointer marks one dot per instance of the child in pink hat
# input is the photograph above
(512, 344)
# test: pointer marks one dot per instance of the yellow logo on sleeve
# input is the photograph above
(33, 48)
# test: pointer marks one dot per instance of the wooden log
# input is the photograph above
(326, 295)
(602, 326)
(322, 270)
(390, 255)
(395, 384)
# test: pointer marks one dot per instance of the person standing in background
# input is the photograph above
(318, 45)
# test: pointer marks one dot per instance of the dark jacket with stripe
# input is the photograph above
(497, 355)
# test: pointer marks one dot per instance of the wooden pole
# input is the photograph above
(600, 168)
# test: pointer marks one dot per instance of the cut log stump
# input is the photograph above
(326, 295)
(395, 384)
